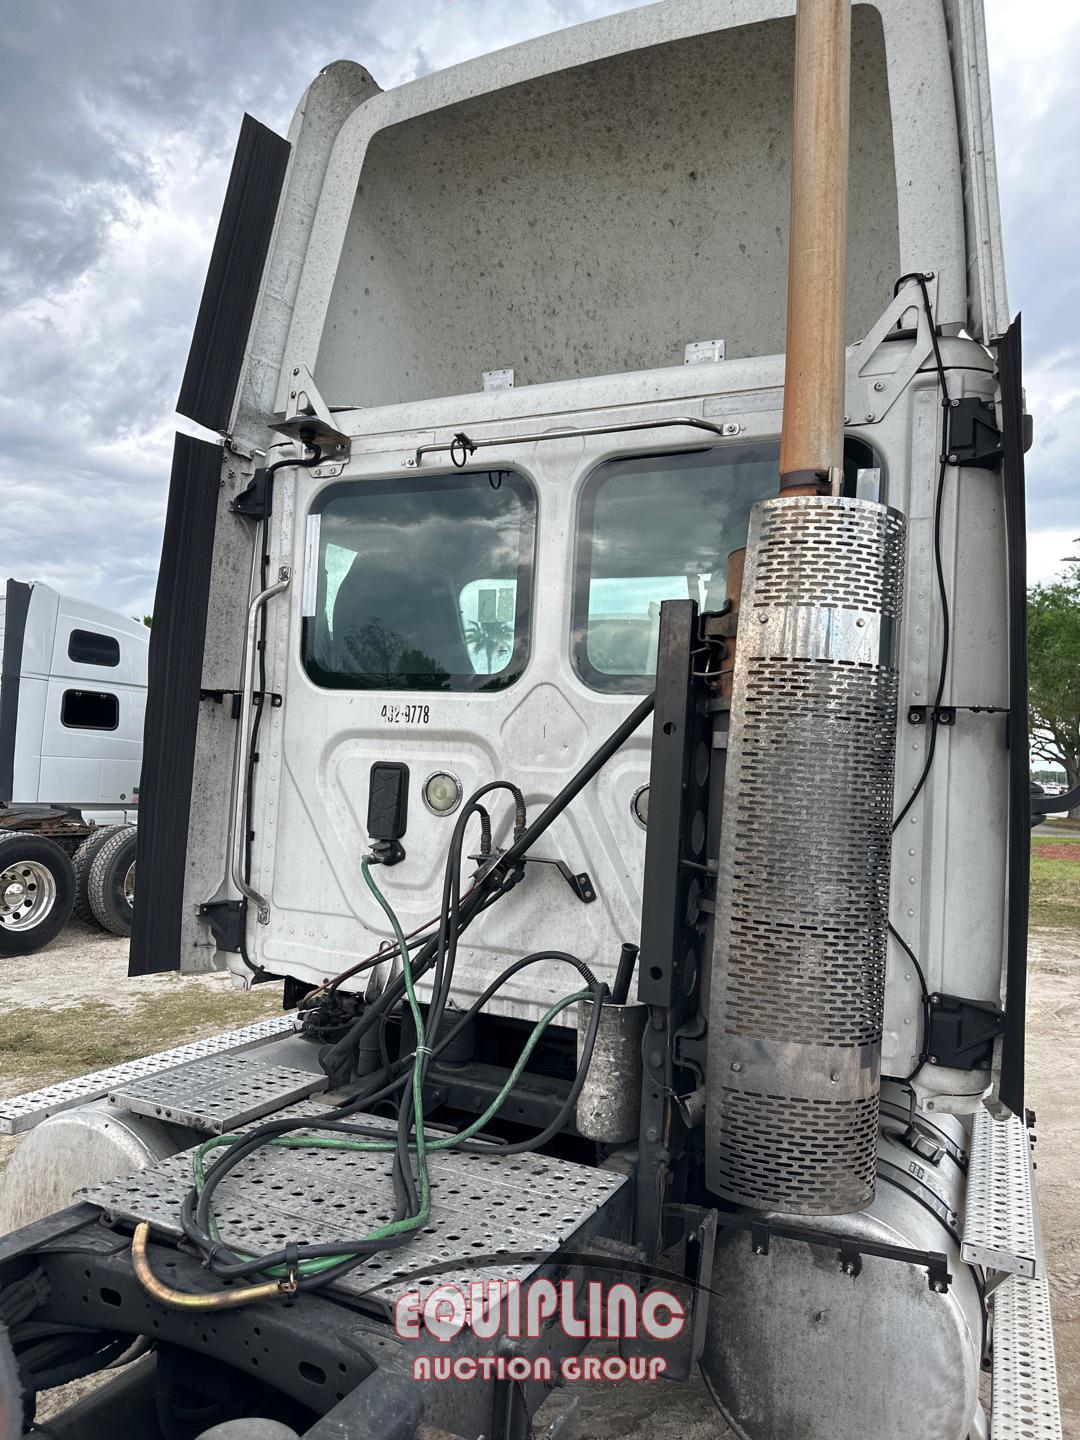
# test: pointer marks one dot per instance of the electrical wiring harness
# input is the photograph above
(303, 1266)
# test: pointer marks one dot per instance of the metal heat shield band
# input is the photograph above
(798, 974)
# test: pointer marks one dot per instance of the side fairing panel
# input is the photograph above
(173, 709)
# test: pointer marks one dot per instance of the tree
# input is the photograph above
(1054, 675)
(490, 638)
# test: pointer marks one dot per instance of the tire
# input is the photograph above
(111, 886)
(82, 860)
(37, 891)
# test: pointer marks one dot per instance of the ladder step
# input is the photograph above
(23, 1112)
(218, 1092)
(1001, 1222)
(1024, 1404)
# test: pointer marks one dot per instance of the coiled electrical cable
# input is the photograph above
(304, 1266)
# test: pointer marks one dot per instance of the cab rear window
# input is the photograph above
(421, 583)
(661, 527)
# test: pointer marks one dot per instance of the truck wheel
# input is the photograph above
(37, 890)
(82, 860)
(111, 887)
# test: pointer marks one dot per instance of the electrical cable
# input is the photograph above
(338, 1059)
(923, 1053)
(938, 566)
(306, 1265)
(340, 1256)
(943, 598)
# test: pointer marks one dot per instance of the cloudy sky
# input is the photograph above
(120, 120)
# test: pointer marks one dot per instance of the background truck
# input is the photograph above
(72, 702)
(596, 690)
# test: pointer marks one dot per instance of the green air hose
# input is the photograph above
(422, 1144)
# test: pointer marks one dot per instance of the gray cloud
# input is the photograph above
(120, 122)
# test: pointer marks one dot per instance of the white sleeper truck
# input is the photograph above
(72, 703)
(589, 677)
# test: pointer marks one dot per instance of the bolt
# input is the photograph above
(736, 1066)
(878, 385)
(955, 404)
(952, 459)
(847, 419)
(834, 1076)
(763, 619)
(860, 622)
(652, 1134)
(938, 1288)
(296, 370)
(933, 1060)
(869, 415)
(656, 1059)
(848, 1267)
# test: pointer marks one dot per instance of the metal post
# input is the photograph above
(812, 442)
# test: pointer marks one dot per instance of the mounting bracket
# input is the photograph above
(961, 1033)
(307, 416)
(227, 919)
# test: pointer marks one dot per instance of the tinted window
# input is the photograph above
(89, 648)
(89, 710)
(661, 527)
(422, 584)
(655, 528)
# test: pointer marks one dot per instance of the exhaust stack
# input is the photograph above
(812, 441)
(797, 990)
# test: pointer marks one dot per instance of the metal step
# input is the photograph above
(493, 1217)
(217, 1093)
(1001, 1222)
(1024, 1404)
(23, 1112)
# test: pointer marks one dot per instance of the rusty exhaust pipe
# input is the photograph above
(812, 440)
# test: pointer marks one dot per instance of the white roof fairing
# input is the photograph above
(489, 214)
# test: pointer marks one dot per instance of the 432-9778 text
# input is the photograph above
(406, 714)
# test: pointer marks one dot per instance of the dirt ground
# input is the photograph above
(84, 973)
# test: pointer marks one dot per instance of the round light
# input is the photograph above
(442, 793)
(639, 806)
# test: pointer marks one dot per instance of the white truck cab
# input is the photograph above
(486, 649)
(72, 701)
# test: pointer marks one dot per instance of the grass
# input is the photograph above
(1055, 883)
(38, 1047)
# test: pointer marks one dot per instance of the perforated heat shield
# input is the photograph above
(802, 899)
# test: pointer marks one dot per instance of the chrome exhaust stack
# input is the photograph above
(798, 975)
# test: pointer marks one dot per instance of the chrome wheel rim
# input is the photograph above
(129, 884)
(27, 894)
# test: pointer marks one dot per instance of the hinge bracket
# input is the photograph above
(961, 1033)
(974, 438)
(218, 696)
(227, 920)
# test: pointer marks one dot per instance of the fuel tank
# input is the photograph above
(798, 1347)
